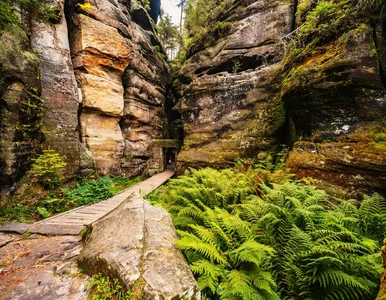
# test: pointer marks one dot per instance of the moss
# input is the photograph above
(137, 292)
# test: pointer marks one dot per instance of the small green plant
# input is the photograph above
(43, 212)
(236, 66)
(49, 169)
(146, 4)
(103, 288)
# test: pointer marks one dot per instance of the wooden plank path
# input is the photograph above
(72, 222)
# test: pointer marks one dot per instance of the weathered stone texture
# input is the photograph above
(100, 56)
(139, 250)
(20, 107)
(252, 90)
(123, 83)
(336, 105)
(232, 107)
(145, 82)
(59, 88)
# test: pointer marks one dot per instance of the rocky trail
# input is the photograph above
(129, 239)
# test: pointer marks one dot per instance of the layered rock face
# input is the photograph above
(20, 107)
(231, 109)
(145, 82)
(336, 104)
(310, 77)
(59, 88)
(102, 90)
(122, 79)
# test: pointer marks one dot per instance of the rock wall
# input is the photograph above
(20, 107)
(335, 99)
(145, 82)
(273, 78)
(231, 108)
(122, 79)
(102, 80)
(59, 89)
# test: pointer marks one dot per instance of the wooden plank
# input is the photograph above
(72, 222)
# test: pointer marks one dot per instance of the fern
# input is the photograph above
(245, 239)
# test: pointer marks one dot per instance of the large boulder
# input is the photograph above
(135, 243)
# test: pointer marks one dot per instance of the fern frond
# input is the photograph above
(204, 234)
(207, 251)
(250, 252)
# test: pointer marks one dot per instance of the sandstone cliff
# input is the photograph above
(102, 79)
(305, 73)
(232, 107)
(20, 106)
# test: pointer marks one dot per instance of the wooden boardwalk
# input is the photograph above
(72, 222)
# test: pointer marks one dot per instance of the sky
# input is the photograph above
(170, 7)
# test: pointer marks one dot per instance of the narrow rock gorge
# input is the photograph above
(257, 80)
(92, 81)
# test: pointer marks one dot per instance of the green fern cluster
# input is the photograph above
(323, 248)
(290, 242)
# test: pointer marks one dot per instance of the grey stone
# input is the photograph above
(135, 243)
(15, 227)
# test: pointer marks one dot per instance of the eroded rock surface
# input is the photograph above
(135, 243)
(232, 107)
(20, 107)
(265, 83)
(335, 100)
(59, 88)
(41, 268)
(123, 79)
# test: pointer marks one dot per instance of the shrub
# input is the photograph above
(49, 169)
(89, 192)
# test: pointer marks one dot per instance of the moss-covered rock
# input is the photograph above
(334, 94)
(231, 105)
(20, 107)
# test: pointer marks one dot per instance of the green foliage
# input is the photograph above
(321, 20)
(89, 192)
(169, 35)
(274, 164)
(103, 288)
(7, 15)
(225, 257)
(290, 242)
(46, 203)
(146, 4)
(39, 8)
(202, 25)
(49, 169)
(206, 187)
